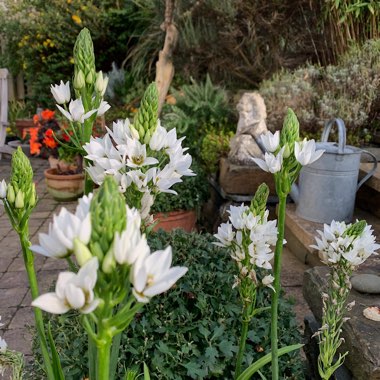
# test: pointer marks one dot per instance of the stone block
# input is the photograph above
(243, 179)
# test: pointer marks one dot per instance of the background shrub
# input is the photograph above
(192, 331)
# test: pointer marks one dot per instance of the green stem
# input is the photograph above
(243, 339)
(29, 266)
(277, 285)
(104, 355)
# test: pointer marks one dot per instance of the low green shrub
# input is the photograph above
(192, 193)
(348, 90)
(192, 331)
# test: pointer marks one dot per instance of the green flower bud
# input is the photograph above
(11, 194)
(290, 130)
(259, 201)
(356, 229)
(109, 263)
(81, 252)
(19, 202)
(79, 81)
(101, 83)
(147, 116)
(108, 215)
(33, 196)
(287, 151)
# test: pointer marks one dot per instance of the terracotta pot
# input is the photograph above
(185, 220)
(64, 187)
(22, 124)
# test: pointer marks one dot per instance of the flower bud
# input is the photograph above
(109, 263)
(90, 77)
(33, 196)
(19, 202)
(81, 252)
(290, 130)
(101, 83)
(286, 152)
(259, 201)
(3, 189)
(79, 81)
(11, 194)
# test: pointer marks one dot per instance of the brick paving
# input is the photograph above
(15, 298)
(15, 310)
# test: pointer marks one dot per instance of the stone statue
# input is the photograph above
(246, 143)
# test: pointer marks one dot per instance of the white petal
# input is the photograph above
(51, 303)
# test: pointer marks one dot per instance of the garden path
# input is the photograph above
(15, 298)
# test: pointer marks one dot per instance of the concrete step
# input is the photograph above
(300, 233)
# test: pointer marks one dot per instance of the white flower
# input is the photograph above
(61, 92)
(83, 208)
(165, 179)
(72, 291)
(152, 275)
(181, 162)
(103, 108)
(225, 235)
(3, 189)
(59, 241)
(147, 201)
(305, 152)
(136, 153)
(76, 111)
(267, 281)
(271, 141)
(271, 163)
(129, 245)
(159, 139)
(140, 179)
(238, 215)
(121, 131)
(96, 173)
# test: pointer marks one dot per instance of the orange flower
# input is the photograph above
(47, 114)
(33, 142)
(50, 142)
(36, 119)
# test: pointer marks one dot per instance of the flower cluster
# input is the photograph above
(145, 168)
(304, 152)
(251, 239)
(76, 111)
(335, 243)
(70, 233)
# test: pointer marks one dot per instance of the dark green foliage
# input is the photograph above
(192, 192)
(192, 331)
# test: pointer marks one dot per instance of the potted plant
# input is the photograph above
(172, 211)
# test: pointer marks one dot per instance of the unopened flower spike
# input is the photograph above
(84, 59)
(108, 216)
(259, 201)
(290, 130)
(146, 119)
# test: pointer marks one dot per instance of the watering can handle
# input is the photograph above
(371, 172)
(341, 133)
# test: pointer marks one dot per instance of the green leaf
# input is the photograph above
(227, 348)
(146, 372)
(253, 368)
(58, 373)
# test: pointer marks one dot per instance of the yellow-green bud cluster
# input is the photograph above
(145, 122)
(356, 229)
(21, 191)
(259, 201)
(290, 132)
(84, 61)
(108, 216)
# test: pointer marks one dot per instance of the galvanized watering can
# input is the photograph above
(327, 188)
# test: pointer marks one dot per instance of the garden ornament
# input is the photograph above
(327, 188)
(251, 125)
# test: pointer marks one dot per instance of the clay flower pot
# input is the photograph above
(168, 221)
(23, 124)
(64, 187)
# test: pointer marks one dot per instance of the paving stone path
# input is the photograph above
(15, 298)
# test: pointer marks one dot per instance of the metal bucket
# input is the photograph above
(327, 187)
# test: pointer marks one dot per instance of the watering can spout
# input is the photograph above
(295, 193)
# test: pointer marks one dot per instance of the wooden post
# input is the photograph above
(164, 65)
